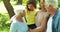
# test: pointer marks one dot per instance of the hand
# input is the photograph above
(33, 30)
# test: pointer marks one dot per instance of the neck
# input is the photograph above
(19, 18)
(44, 10)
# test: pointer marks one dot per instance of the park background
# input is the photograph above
(8, 9)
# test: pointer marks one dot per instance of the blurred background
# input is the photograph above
(8, 8)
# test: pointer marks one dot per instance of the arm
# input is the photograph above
(43, 25)
(44, 22)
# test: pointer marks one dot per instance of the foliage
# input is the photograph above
(4, 24)
(4, 18)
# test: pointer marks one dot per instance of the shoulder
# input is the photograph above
(14, 23)
(37, 13)
(11, 20)
(13, 26)
(57, 11)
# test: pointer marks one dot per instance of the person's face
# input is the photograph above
(49, 8)
(42, 5)
(30, 7)
(23, 13)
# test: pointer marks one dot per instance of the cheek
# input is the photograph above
(29, 7)
(32, 7)
(23, 14)
(48, 10)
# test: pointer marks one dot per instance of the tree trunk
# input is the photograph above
(19, 2)
(9, 7)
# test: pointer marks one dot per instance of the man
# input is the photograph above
(53, 24)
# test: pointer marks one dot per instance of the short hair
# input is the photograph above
(19, 8)
(54, 3)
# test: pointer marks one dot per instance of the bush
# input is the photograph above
(4, 26)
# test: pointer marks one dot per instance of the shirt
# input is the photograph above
(30, 16)
(39, 17)
(17, 26)
(49, 24)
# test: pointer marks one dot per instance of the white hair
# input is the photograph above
(19, 8)
(54, 3)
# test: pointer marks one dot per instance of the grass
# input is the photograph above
(4, 29)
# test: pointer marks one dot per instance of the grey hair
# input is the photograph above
(54, 3)
(19, 8)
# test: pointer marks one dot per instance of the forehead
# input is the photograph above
(50, 6)
(30, 4)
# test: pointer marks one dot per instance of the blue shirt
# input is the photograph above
(17, 26)
(56, 22)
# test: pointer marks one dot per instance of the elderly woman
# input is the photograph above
(18, 25)
(53, 24)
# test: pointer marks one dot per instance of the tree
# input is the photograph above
(9, 7)
(19, 2)
(38, 0)
(0, 0)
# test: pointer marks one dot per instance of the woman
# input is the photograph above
(41, 19)
(18, 25)
(40, 14)
(30, 13)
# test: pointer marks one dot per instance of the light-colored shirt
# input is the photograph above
(17, 26)
(49, 24)
(39, 17)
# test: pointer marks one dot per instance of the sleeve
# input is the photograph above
(13, 27)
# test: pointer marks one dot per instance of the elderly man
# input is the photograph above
(53, 24)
